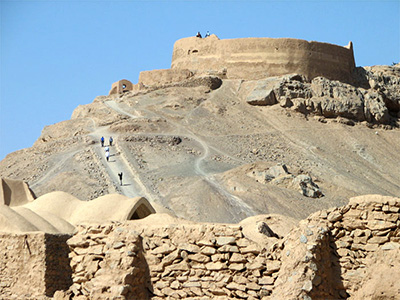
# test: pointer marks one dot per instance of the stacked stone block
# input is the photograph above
(33, 265)
(58, 270)
(121, 261)
(208, 261)
(360, 230)
(107, 263)
(327, 255)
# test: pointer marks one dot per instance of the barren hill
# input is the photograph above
(221, 150)
(257, 132)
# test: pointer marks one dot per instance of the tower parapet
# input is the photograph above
(255, 58)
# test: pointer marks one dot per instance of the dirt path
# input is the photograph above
(233, 200)
(131, 186)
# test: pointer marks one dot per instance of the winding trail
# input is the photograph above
(137, 187)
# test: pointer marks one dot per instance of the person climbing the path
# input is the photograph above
(102, 141)
(111, 140)
(107, 155)
(120, 177)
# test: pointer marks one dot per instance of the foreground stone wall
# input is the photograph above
(179, 261)
(22, 261)
(212, 261)
(107, 263)
(256, 58)
(327, 256)
(351, 252)
(33, 266)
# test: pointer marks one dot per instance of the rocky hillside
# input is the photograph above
(217, 150)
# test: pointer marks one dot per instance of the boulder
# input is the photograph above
(261, 97)
(264, 229)
(375, 110)
(269, 174)
(306, 186)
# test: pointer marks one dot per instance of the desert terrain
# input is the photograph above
(225, 152)
(236, 185)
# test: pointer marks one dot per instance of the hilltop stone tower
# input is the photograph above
(256, 58)
(250, 59)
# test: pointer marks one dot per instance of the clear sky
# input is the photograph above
(56, 55)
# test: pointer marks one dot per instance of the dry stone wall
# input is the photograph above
(107, 263)
(184, 262)
(339, 253)
(33, 266)
(327, 256)
(210, 261)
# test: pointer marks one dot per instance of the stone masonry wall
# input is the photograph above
(179, 261)
(33, 265)
(214, 261)
(107, 263)
(327, 256)
(57, 264)
(22, 261)
(339, 253)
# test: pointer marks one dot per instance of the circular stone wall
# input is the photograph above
(255, 58)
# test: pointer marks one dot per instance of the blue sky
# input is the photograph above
(56, 55)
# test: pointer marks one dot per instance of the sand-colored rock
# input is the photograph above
(189, 145)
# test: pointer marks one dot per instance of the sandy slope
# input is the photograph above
(190, 150)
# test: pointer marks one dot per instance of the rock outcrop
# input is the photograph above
(377, 102)
(280, 176)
